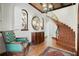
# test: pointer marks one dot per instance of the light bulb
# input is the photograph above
(50, 6)
(44, 5)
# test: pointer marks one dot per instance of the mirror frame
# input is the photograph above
(34, 26)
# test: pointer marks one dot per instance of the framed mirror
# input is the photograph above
(24, 20)
(37, 23)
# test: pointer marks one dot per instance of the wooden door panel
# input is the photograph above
(37, 37)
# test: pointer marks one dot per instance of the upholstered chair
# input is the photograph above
(15, 46)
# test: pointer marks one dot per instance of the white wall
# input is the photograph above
(31, 12)
(68, 16)
(49, 30)
(11, 16)
(49, 27)
(6, 17)
(0, 18)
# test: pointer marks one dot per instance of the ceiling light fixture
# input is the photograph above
(47, 7)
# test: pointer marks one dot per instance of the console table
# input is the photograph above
(37, 37)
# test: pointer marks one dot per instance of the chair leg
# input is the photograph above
(26, 50)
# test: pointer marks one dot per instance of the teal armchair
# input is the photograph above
(15, 46)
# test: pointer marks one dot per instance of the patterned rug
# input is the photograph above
(49, 51)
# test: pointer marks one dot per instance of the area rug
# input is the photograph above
(49, 51)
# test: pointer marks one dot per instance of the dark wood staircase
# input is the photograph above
(66, 36)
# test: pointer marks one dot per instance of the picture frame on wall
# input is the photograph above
(24, 20)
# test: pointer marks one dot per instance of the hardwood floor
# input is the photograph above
(36, 50)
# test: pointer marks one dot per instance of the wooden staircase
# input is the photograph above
(66, 36)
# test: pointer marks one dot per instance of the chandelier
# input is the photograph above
(47, 7)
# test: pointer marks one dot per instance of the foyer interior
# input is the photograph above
(55, 28)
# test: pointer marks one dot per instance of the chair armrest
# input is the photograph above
(26, 44)
(21, 40)
(17, 42)
(14, 42)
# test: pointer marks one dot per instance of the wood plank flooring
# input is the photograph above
(36, 50)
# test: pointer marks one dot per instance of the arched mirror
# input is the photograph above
(24, 20)
(37, 23)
